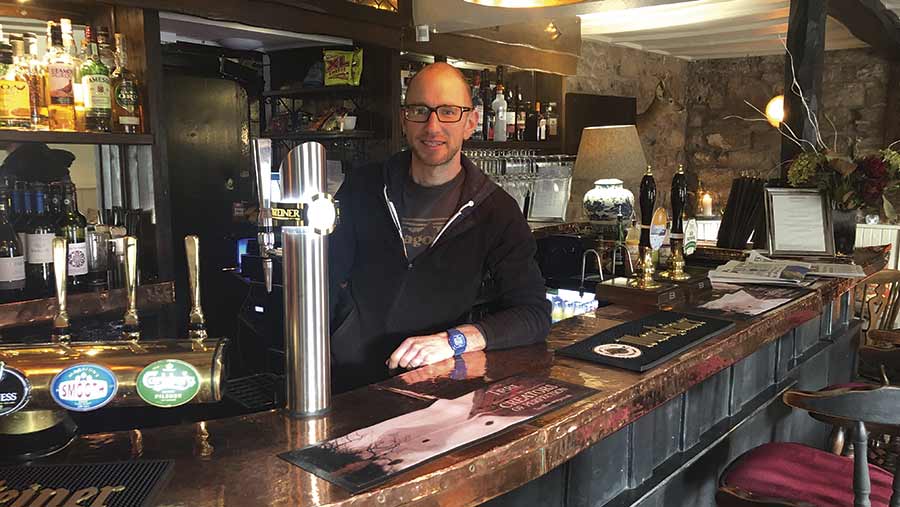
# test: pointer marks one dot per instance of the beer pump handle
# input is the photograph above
(679, 199)
(197, 322)
(60, 331)
(131, 321)
(647, 201)
(262, 165)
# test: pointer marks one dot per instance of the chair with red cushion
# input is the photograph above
(782, 474)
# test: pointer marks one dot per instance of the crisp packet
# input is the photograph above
(343, 67)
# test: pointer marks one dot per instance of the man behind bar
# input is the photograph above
(418, 234)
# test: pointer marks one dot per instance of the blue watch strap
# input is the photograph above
(457, 341)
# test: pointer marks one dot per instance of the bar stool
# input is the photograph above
(794, 474)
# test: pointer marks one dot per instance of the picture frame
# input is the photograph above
(799, 223)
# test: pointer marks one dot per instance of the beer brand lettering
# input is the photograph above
(37, 496)
(168, 383)
(14, 390)
(532, 397)
(654, 335)
(285, 214)
(84, 387)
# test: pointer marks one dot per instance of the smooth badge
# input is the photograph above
(15, 390)
(168, 383)
(84, 387)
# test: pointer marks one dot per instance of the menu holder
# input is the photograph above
(619, 290)
(645, 343)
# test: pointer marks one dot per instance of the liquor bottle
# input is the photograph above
(552, 121)
(106, 51)
(531, 124)
(21, 212)
(510, 115)
(72, 226)
(14, 108)
(60, 81)
(486, 124)
(12, 262)
(77, 56)
(39, 247)
(54, 202)
(498, 106)
(521, 115)
(95, 85)
(478, 106)
(126, 107)
(37, 84)
(541, 123)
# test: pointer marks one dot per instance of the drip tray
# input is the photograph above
(126, 484)
(259, 392)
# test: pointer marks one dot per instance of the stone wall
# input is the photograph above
(605, 69)
(718, 148)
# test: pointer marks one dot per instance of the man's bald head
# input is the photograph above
(443, 73)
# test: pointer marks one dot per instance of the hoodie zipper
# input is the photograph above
(454, 217)
(396, 218)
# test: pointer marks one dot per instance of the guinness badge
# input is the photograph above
(84, 387)
(168, 383)
(15, 390)
(618, 351)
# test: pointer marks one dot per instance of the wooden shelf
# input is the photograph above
(554, 146)
(294, 93)
(313, 136)
(33, 311)
(38, 136)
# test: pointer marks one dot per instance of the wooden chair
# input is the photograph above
(880, 302)
(787, 474)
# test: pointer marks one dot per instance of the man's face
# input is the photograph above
(435, 143)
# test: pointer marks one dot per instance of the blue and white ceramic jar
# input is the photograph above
(607, 199)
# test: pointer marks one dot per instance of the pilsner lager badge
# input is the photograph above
(168, 383)
(15, 390)
(84, 387)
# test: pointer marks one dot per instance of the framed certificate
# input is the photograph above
(799, 222)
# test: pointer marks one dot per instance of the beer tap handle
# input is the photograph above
(197, 322)
(132, 323)
(679, 199)
(647, 201)
(262, 165)
(60, 331)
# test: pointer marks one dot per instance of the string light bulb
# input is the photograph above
(775, 111)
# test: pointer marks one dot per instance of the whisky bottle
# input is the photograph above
(14, 109)
(95, 85)
(12, 262)
(39, 247)
(37, 84)
(60, 81)
(107, 55)
(77, 56)
(72, 226)
(126, 107)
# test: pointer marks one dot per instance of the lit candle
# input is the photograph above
(706, 201)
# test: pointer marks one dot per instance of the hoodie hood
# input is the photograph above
(476, 187)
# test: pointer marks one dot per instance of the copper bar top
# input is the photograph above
(233, 461)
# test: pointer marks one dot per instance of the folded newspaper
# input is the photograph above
(760, 269)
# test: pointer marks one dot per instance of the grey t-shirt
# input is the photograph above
(425, 210)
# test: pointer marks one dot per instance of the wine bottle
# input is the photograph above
(54, 202)
(12, 262)
(22, 200)
(17, 209)
(39, 248)
(72, 226)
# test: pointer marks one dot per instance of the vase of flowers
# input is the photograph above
(850, 184)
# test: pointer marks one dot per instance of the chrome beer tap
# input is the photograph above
(132, 328)
(60, 333)
(265, 235)
(197, 322)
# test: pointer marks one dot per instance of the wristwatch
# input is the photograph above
(457, 341)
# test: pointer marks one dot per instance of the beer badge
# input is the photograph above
(658, 228)
(690, 236)
(84, 387)
(15, 390)
(617, 350)
(168, 383)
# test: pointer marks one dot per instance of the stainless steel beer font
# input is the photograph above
(306, 214)
(265, 235)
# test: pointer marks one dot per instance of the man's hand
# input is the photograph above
(418, 351)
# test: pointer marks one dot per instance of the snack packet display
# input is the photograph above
(343, 67)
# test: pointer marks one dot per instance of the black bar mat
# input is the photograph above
(646, 342)
(125, 484)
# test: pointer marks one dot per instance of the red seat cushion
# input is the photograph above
(796, 472)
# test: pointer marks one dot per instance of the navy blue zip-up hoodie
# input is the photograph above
(379, 298)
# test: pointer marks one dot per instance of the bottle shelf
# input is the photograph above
(313, 136)
(299, 92)
(53, 137)
(554, 146)
(33, 311)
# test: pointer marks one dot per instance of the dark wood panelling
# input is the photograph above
(871, 22)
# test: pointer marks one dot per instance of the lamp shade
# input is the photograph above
(606, 152)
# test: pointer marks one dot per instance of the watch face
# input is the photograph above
(459, 341)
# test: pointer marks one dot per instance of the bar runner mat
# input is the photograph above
(646, 342)
(371, 456)
(125, 484)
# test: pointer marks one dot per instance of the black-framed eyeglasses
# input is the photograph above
(420, 113)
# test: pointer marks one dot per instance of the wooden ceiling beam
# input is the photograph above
(871, 22)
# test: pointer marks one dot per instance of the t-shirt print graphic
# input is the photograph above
(419, 233)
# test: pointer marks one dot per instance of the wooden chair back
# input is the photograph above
(881, 299)
(857, 407)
